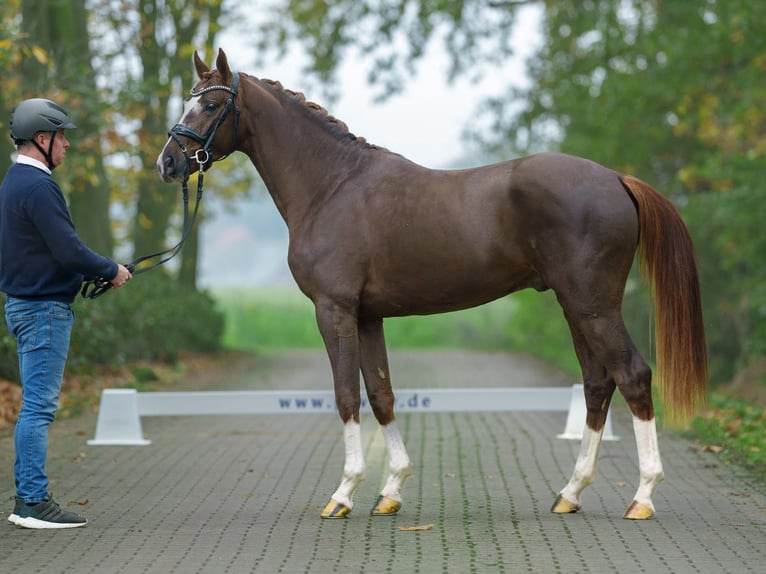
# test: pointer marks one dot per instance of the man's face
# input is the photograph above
(60, 145)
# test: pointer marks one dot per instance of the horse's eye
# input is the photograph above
(211, 107)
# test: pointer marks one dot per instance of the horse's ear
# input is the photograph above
(222, 65)
(200, 65)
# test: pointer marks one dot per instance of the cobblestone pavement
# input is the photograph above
(238, 494)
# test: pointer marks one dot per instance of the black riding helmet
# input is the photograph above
(38, 115)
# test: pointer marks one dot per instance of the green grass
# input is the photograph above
(734, 428)
(270, 319)
(262, 319)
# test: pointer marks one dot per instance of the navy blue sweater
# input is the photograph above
(41, 255)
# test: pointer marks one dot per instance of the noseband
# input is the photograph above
(96, 287)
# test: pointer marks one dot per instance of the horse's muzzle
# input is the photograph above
(171, 169)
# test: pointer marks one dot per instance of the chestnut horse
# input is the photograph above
(374, 235)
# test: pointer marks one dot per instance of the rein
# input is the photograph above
(94, 288)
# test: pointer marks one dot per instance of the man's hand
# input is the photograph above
(122, 277)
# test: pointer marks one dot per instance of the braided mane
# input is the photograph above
(338, 127)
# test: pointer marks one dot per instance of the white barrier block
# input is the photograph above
(118, 420)
(576, 418)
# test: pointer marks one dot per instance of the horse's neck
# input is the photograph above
(294, 151)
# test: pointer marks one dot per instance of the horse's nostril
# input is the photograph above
(168, 161)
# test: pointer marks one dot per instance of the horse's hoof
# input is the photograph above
(639, 511)
(335, 509)
(564, 506)
(385, 506)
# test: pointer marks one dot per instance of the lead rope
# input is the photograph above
(94, 288)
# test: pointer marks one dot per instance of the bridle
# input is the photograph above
(96, 287)
(202, 156)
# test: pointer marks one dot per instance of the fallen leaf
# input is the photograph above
(621, 484)
(712, 448)
(79, 502)
(419, 528)
(79, 457)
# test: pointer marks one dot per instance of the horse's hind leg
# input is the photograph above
(609, 344)
(599, 388)
(634, 379)
(374, 364)
(650, 467)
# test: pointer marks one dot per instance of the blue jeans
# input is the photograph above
(41, 330)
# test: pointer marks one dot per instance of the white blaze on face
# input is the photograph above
(189, 105)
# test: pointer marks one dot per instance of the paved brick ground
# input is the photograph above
(243, 494)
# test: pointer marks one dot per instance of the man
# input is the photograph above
(43, 263)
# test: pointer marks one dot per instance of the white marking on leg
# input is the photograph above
(399, 466)
(353, 468)
(585, 467)
(649, 463)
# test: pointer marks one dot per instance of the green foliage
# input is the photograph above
(9, 362)
(149, 319)
(484, 327)
(145, 374)
(728, 231)
(736, 429)
(267, 319)
(539, 327)
(259, 319)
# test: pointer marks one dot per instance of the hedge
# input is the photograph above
(152, 318)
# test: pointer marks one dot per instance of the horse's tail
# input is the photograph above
(669, 265)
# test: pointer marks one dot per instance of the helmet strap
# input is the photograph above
(49, 154)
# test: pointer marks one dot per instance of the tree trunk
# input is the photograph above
(61, 30)
(157, 201)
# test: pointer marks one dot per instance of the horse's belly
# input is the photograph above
(428, 293)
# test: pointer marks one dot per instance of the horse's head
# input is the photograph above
(207, 132)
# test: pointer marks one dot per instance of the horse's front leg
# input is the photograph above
(339, 332)
(374, 363)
